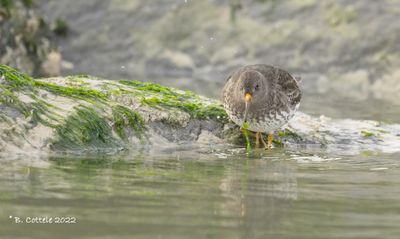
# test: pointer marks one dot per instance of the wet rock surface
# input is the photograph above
(86, 114)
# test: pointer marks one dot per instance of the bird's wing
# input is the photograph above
(289, 87)
(227, 87)
(282, 80)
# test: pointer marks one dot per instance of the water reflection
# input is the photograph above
(278, 194)
(261, 195)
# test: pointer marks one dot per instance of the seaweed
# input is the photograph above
(125, 118)
(84, 129)
(158, 96)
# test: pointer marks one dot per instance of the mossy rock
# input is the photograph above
(84, 113)
(87, 114)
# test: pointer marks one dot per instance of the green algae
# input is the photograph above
(5, 119)
(88, 128)
(98, 122)
(277, 142)
(367, 134)
(84, 129)
(159, 97)
(103, 122)
(286, 135)
(15, 79)
(246, 135)
(10, 99)
(195, 109)
(77, 81)
(125, 118)
(18, 83)
(211, 112)
(61, 28)
(289, 134)
(75, 92)
(41, 113)
(158, 89)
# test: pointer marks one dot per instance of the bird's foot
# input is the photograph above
(270, 138)
(263, 141)
(258, 139)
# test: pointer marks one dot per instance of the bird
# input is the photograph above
(262, 96)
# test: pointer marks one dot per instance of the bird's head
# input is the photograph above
(250, 84)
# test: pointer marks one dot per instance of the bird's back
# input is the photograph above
(283, 84)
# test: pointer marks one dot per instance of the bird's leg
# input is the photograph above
(258, 139)
(263, 141)
(270, 138)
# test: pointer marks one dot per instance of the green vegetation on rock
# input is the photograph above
(288, 133)
(85, 129)
(165, 97)
(11, 82)
(367, 134)
(84, 113)
(13, 78)
(124, 118)
(16, 84)
(76, 92)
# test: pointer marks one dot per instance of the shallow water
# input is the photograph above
(204, 193)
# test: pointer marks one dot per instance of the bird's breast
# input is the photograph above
(260, 121)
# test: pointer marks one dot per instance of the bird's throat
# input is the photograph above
(246, 111)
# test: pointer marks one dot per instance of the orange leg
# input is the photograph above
(258, 139)
(270, 138)
(263, 141)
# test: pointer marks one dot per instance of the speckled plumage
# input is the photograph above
(277, 99)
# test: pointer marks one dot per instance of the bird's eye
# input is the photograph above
(256, 87)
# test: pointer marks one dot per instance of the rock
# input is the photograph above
(52, 65)
(388, 87)
(86, 114)
(27, 41)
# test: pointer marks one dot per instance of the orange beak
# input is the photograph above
(248, 97)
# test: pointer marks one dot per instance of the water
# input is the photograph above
(204, 193)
